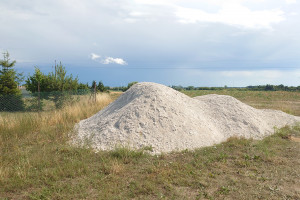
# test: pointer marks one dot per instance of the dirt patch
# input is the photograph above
(294, 139)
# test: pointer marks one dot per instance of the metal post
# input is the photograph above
(39, 96)
(95, 91)
(55, 69)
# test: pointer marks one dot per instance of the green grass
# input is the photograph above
(37, 163)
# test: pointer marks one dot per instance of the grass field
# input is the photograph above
(37, 163)
(288, 102)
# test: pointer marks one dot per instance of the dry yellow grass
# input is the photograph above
(22, 129)
(84, 108)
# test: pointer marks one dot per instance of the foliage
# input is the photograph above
(267, 87)
(9, 78)
(82, 86)
(120, 88)
(10, 99)
(100, 87)
(55, 83)
(128, 86)
(131, 84)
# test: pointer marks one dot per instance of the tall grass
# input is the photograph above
(14, 123)
(29, 125)
(28, 140)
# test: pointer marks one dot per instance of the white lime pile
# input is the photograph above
(150, 114)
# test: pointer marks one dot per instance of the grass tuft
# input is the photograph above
(127, 155)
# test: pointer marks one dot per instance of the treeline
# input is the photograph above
(268, 87)
(58, 80)
(179, 88)
(248, 88)
(122, 88)
(56, 86)
(59, 87)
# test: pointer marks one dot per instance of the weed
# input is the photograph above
(127, 155)
(224, 190)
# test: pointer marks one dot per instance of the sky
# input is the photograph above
(173, 42)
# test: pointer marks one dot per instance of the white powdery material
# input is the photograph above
(150, 114)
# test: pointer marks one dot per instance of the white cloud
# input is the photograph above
(107, 60)
(94, 56)
(291, 1)
(237, 13)
(232, 14)
(155, 37)
(110, 60)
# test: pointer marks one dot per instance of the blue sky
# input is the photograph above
(173, 42)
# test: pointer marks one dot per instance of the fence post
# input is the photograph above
(39, 97)
(95, 91)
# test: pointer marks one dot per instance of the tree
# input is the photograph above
(190, 88)
(9, 78)
(129, 85)
(54, 81)
(11, 99)
(83, 86)
(38, 79)
(56, 84)
(269, 87)
(101, 87)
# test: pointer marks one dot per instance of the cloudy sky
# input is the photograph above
(173, 42)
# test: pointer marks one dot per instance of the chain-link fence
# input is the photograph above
(42, 101)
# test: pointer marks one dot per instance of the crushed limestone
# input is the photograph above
(150, 114)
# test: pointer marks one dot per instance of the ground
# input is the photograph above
(36, 161)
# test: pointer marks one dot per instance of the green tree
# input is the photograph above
(269, 87)
(101, 87)
(190, 88)
(10, 99)
(83, 86)
(129, 85)
(56, 86)
(54, 81)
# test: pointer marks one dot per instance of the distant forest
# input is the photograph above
(248, 88)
